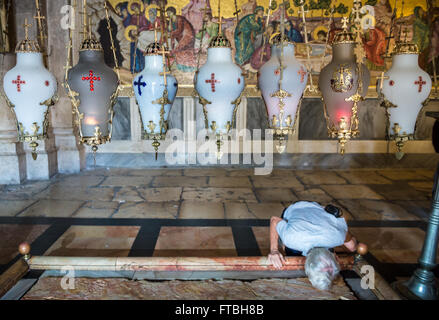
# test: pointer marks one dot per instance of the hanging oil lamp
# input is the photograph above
(155, 90)
(219, 84)
(343, 83)
(405, 88)
(93, 88)
(282, 81)
(30, 89)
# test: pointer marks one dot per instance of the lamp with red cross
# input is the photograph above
(404, 90)
(30, 90)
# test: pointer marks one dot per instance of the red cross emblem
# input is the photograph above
(92, 78)
(212, 81)
(420, 83)
(302, 74)
(18, 82)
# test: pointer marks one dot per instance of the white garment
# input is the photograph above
(307, 225)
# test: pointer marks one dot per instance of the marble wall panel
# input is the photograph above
(122, 119)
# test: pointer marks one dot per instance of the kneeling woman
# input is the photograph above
(308, 229)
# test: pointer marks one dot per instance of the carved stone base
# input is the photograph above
(46, 164)
(13, 163)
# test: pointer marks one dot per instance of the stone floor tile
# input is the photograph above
(402, 174)
(363, 177)
(392, 245)
(428, 173)
(238, 210)
(79, 181)
(14, 234)
(120, 181)
(76, 193)
(314, 194)
(423, 186)
(266, 210)
(97, 209)
(95, 241)
(161, 194)
(219, 194)
(12, 207)
(401, 192)
(27, 190)
(128, 194)
(421, 209)
(201, 210)
(376, 210)
(155, 172)
(52, 208)
(180, 182)
(205, 172)
(274, 195)
(195, 242)
(351, 192)
(240, 172)
(148, 210)
(313, 177)
(277, 182)
(229, 182)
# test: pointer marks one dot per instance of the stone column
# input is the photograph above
(70, 157)
(12, 157)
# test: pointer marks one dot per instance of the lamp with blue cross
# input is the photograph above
(155, 90)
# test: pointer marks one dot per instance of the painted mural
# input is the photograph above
(245, 25)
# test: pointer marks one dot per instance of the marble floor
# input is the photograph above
(210, 212)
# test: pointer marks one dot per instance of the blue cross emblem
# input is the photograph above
(140, 84)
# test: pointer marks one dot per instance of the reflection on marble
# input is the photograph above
(257, 117)
(122, 119)
(195, 242)
(175, 119)
(14, 234)
(392, 245)
(95, 241)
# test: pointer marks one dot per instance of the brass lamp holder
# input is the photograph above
(400, 140)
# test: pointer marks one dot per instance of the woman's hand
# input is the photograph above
(276, 259)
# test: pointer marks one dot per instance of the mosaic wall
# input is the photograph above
(133, 24)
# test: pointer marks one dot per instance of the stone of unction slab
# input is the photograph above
(401, 192)
(124, 289)
(77, 193)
